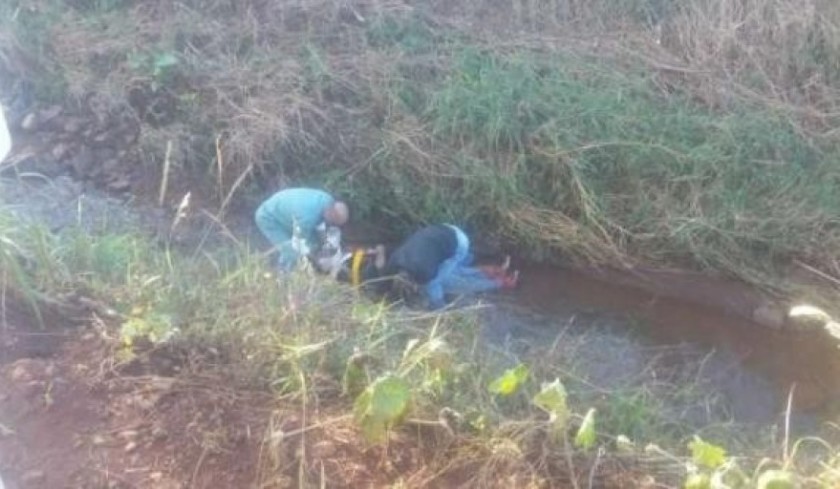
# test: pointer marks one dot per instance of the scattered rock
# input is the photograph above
(98, 440)
(111, 166)
(81, 162)
(128, 434)
(104, 154)
(119, 185)
(48, 115)
(33, 390)
(50, 370)
(324, 450)
(26, 370)
(60, 151)
(19, 374)
(770, 315)
(100, 139)
(159, 433)
(73, 125)
(130, 447)
(29, 122)
(130, 137)
(33, 477)
(808, 318)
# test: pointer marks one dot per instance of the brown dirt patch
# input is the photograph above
(73, 416)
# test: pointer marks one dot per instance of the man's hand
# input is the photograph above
(379, 256)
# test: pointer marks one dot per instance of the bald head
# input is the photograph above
(337, 214)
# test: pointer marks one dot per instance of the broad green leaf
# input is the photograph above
(705, 454)
(730, 476)
(354, 379)
(510, 381)
(552, 399)
(775, 479)
(585, 437)
(381, 406)
(698, 481)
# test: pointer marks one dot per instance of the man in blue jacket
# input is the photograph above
(292, 218)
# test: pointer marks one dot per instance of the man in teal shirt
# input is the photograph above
(302, 209)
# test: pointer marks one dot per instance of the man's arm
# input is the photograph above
(434, 292)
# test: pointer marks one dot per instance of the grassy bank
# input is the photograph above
(383, 382)
(694, 134)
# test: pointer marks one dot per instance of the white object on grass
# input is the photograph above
(5, 148)
(5, 141)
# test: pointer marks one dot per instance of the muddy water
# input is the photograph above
(617, 335)
(753, 366)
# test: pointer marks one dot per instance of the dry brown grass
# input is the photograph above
(265, 91)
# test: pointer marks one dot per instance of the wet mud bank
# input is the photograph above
(670, 308)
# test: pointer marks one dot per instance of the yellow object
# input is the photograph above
(356, 268)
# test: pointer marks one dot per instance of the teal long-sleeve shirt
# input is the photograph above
(302, 206)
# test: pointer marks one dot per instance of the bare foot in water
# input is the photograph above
(511, 281)
(506, 263)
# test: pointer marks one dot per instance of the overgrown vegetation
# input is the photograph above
(481, 414)
(694, 134)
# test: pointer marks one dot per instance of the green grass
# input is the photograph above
(556, 152)
(666, 179)
(303, 336)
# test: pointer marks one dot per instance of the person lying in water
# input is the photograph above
(435, 260)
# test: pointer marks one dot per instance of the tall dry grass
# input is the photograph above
(693, 133)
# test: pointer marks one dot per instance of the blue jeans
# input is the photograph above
(466, 280)
(462, 257)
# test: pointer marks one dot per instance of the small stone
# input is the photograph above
(81, 163)
(128, 434)
(98, 440)
(324, 450)
(769, 315)
(100, 139)
(159, 433)
(60, 151)
(49, 114)
(156, 476)
(25, 370)
(104, 154)
(119, 185)
(29, 122)
(130, 447)
(73, 125)
(50, 370)
(33, 477)
(111, 165)
(20, 373)
(33, 390)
